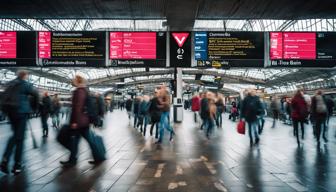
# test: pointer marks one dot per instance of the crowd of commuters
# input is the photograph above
(20, 99)
(154, 111)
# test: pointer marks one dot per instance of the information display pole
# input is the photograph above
(178, 104)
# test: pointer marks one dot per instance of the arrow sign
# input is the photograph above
(180, 38)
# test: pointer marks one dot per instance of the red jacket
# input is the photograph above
(78, 114)
(299, 108)
(195, 103)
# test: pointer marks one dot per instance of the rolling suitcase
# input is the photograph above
(99, 150)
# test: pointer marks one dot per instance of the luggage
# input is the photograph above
(241, 127)
(64, 136)
(99, 150)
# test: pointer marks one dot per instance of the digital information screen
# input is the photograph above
(82, 49)
(17, 48)
(229, 49)
(137, 49)
(302, 49)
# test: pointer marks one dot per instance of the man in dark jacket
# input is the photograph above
(18, 117)
(136, 110)
(251, 108)
(155, 114)
(129, 107)
(46, 109)
(319, 112)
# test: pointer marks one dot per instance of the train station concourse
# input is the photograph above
(167, 95)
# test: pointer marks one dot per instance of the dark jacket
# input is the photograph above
(25, 95)
(144, 105)
(154, 109)
(251, 108)
(128, 105)
(46, 106)
(299, 108)
(330, 105)
(78, 114)
(136, 106)
(205, 112)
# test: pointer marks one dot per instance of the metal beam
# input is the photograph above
(23, 24)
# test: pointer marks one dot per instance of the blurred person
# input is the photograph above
(261, 116)
(17, 106)
(234, 111)
(330, 106)
(211, 115)
(80, 123)
(299, 114)
(195, 106)
(319, 112)
(275, 108)
(56, 108)
(288, 111)
(220, 109)
(46, 111)
(204, 110)
(144, 105)
(129, 107)
(164, 105)
(250, 109)
(155, 113)
(136, 111)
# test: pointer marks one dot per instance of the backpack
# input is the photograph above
(9, 101)
(93, 108)
(320, 105)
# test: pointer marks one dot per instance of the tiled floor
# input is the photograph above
(190, 163)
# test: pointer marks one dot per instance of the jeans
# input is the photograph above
(19, 124)
(219, 119)
(164, 124)
(44, 120)
(296, 129)
(252, 127)
(320, 122)
(157, 129)
(210, 124)
(136, 116)
(56, 120)
(143, 121)
(261, 124)
(88, 136)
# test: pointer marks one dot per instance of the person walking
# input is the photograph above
(220, 109)
(17, 106)
(319, 112)
(195, 106)
(56, 108)
(250, 109)
(136, 111)
(204, 110)
(46, 110)
(144, 105)
(129, 107)
(80, 123)
(164, 105)
(211, 116)
(299, 113)
(155, 113)
(275, 108)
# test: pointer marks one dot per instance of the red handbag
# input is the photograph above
(241, 127)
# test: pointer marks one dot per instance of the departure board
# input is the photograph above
(17, 48)
(302, 49)
(137, 49)
(82, 48)
(234, 49)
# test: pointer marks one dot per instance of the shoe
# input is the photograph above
(257, 140)
(17, 169)
(68, 163)
(171, 136)
(158, 142)
(96, 162)
(4, 167)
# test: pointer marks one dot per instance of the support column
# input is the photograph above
(178, 101)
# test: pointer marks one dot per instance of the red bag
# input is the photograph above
(241, 127)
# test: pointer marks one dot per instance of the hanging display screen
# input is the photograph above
(17, 48)
(82, 48)
(302, 49)
(234, 49)
(137, 49)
